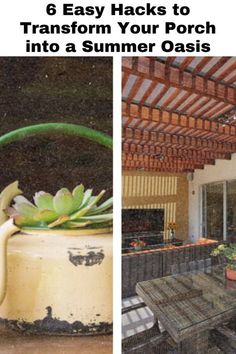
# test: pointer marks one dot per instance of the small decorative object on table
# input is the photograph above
(137, 244)
(229, 253)
(172, 228)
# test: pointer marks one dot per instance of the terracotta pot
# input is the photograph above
(59, 282)
(230, 274)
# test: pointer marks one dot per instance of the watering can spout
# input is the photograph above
(7, 229)
(6, 196)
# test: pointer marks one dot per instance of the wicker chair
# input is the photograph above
(225, 336)
(149, 341)
(133, 307)
(225, 339)
(180, 268)
(153, 341)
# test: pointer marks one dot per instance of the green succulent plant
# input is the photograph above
(69, 210)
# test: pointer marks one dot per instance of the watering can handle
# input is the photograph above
(57, 128)
(7, 229)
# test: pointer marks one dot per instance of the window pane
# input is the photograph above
(204, 212)
(214, 211)
(231, 211)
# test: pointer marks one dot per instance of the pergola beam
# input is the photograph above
(178, 141)
(171, 122)
(178, 120)
(167, 159)
(172, 152)
(216, 67)
(160, 166)
(158, 72)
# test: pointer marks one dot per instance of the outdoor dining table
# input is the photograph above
(190, 304)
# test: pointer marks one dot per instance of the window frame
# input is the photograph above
(201, 199)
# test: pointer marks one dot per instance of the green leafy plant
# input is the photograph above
(67, 210)
(228, 252)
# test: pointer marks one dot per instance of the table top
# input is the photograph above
(191, 302)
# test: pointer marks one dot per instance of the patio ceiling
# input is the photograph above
(178, 113)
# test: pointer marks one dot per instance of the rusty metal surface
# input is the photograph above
(13, 342)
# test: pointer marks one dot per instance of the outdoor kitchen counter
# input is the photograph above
(188, 305)
(15, 343)
(157, 263)
(167, 248)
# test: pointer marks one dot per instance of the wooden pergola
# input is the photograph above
(178, 113)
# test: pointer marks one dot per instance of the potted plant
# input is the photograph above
(229, 253)
(58, 263)
(138, 244)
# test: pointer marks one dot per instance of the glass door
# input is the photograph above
(213, 210)
(231, 211)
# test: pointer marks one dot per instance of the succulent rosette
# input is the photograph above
(66, 209)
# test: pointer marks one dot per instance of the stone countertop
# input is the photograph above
(12, 342)
(171, 247)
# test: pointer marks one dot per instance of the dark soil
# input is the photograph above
(68, 90)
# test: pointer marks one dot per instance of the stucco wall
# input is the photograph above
(158, 190)
(222, 170)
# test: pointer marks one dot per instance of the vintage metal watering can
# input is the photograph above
(55, 279)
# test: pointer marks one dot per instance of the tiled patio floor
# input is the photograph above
(135, 321)
(142, 319)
